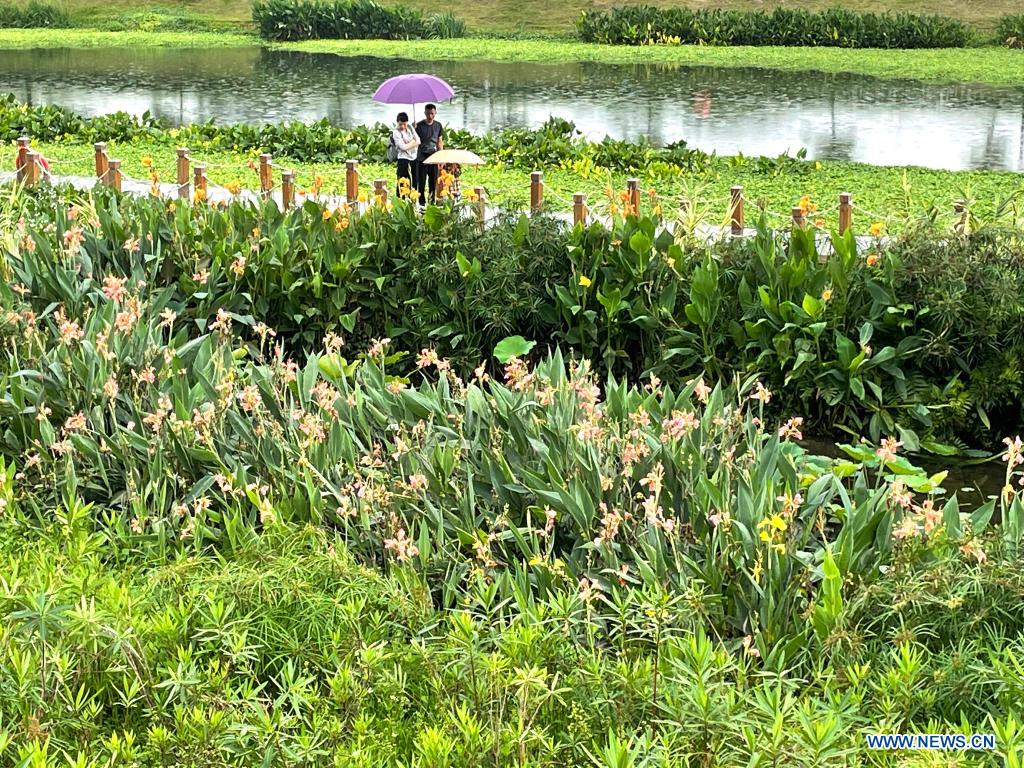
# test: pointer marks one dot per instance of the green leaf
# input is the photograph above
(640, 244)
(433, 217)
(522, 230)
(982, 515)
(512, 346)
(951, 517)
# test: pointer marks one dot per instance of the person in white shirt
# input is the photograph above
(407, 142)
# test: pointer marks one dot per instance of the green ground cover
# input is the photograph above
(991, 65)
(997, 66)
(281, 650)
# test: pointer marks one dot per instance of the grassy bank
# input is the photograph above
(93, 38)
(994, 66)
(889, 194)
(548, 16)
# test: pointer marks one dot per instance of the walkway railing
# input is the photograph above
(192, 182)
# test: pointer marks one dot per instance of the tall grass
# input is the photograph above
(35, 13)
(348, 19)
(645, 25)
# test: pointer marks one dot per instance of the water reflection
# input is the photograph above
(842, 117)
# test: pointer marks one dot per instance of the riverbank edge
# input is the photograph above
(983, 66)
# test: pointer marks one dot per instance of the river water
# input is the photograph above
(729, 111)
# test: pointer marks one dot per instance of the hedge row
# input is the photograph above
(835, 27)
(348, 19)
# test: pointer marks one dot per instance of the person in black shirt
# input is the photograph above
(431, 135)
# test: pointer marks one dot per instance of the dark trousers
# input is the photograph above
(425, 173)
(405, 171)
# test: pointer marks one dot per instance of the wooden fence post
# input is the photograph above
(845, 212)
(183, 189)
(960, 214)
(114, 174)
(579, 209)
(266, 175)
(380, 192)
(799, 220)
(199, 181)
(31, 168)
(287, 189)
(633, 194)
(100, 148)
(481, 206)
(536, 192)
(352, 181)
(736, 210)
(22, 161)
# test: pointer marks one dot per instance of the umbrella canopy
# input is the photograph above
(413, 89)
(454, 157)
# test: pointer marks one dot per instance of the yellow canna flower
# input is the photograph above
(872, 259)
(585, 281)
(147, 162)
(876, 229)
(826, 294)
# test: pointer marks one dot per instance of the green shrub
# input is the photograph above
(35, 13)
(1010, 31)
(836, 27)
(919, 335)
(348, 19)
(444, 25)
(223, 436)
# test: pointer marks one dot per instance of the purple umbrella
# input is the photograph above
(413, 89)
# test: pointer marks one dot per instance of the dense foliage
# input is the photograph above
(1011, 31)
(33, 14)
(920, 335)
(556, 142)
(577, 570)
(348, 19)
(571, 569)
(282, 652)
(835, 27)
